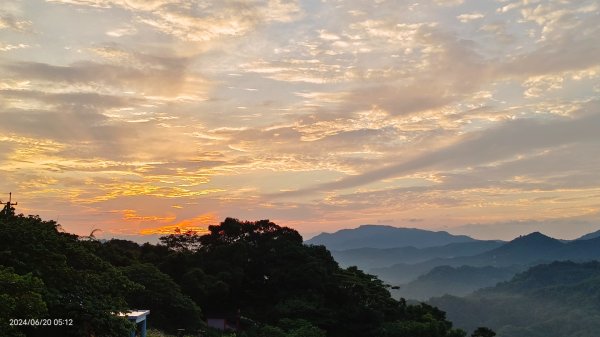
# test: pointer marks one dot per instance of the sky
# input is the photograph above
(137, 117)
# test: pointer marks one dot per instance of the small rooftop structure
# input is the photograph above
(139, 318)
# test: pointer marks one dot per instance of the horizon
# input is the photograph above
(140, 117)
(154, 238)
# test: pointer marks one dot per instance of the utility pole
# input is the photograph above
(8, 206)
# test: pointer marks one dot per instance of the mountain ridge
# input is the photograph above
(531, 249)
(589, 236)
(368, 258)
(457, 281)
(385, 236)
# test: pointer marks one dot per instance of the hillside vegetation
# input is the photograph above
(256, 274)
(457, 281)
(551, 300)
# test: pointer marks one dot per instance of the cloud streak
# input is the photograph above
(506, 141)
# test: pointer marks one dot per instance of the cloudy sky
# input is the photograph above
(139, 116)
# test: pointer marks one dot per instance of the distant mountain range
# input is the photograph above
(457, 281)
(551, 300)
(377, 236)
(589, 236)
(369, 258)
(527, 250)
(427, 263)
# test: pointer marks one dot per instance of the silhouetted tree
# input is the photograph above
(182, 241)
(483, 332)
(170, 308)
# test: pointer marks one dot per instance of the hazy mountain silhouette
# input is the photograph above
(368, 258)
(379, 236)
(589, 236)
(551, 300)
(456, 281)
(527, 250)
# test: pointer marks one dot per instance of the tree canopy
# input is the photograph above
(257, 274)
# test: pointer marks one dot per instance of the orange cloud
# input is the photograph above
(131, 215)
(197, 224)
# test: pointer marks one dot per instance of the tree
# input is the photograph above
(271, 331)
(186, 241)
(272, 277)
(170, 309)
(258, 272)
(78, 284)
(20, 297)
(119, 253)
(483, 332)
(301, 328)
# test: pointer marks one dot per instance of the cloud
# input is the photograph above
(201, 22)
(78, 98)
(198, 224)
(437, 110)
(508, 230)
(9, 21)
(552, 58)
(123, 31)
(449, 2)
(503, 142)
(150, 81)
(131, 215)
(468, 17)
(8, 47)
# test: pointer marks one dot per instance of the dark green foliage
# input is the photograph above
(119, 253)
(270, 331)
(483, 332)
(553, 300)
(421, 321)
(255, 273)
(20, 297)
(300, 328)
(78, 285)
(266, 273)
(169, 308)
(181, 242)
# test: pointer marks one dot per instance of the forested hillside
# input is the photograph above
(256, 273)
(552, 300)
(457, 281)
